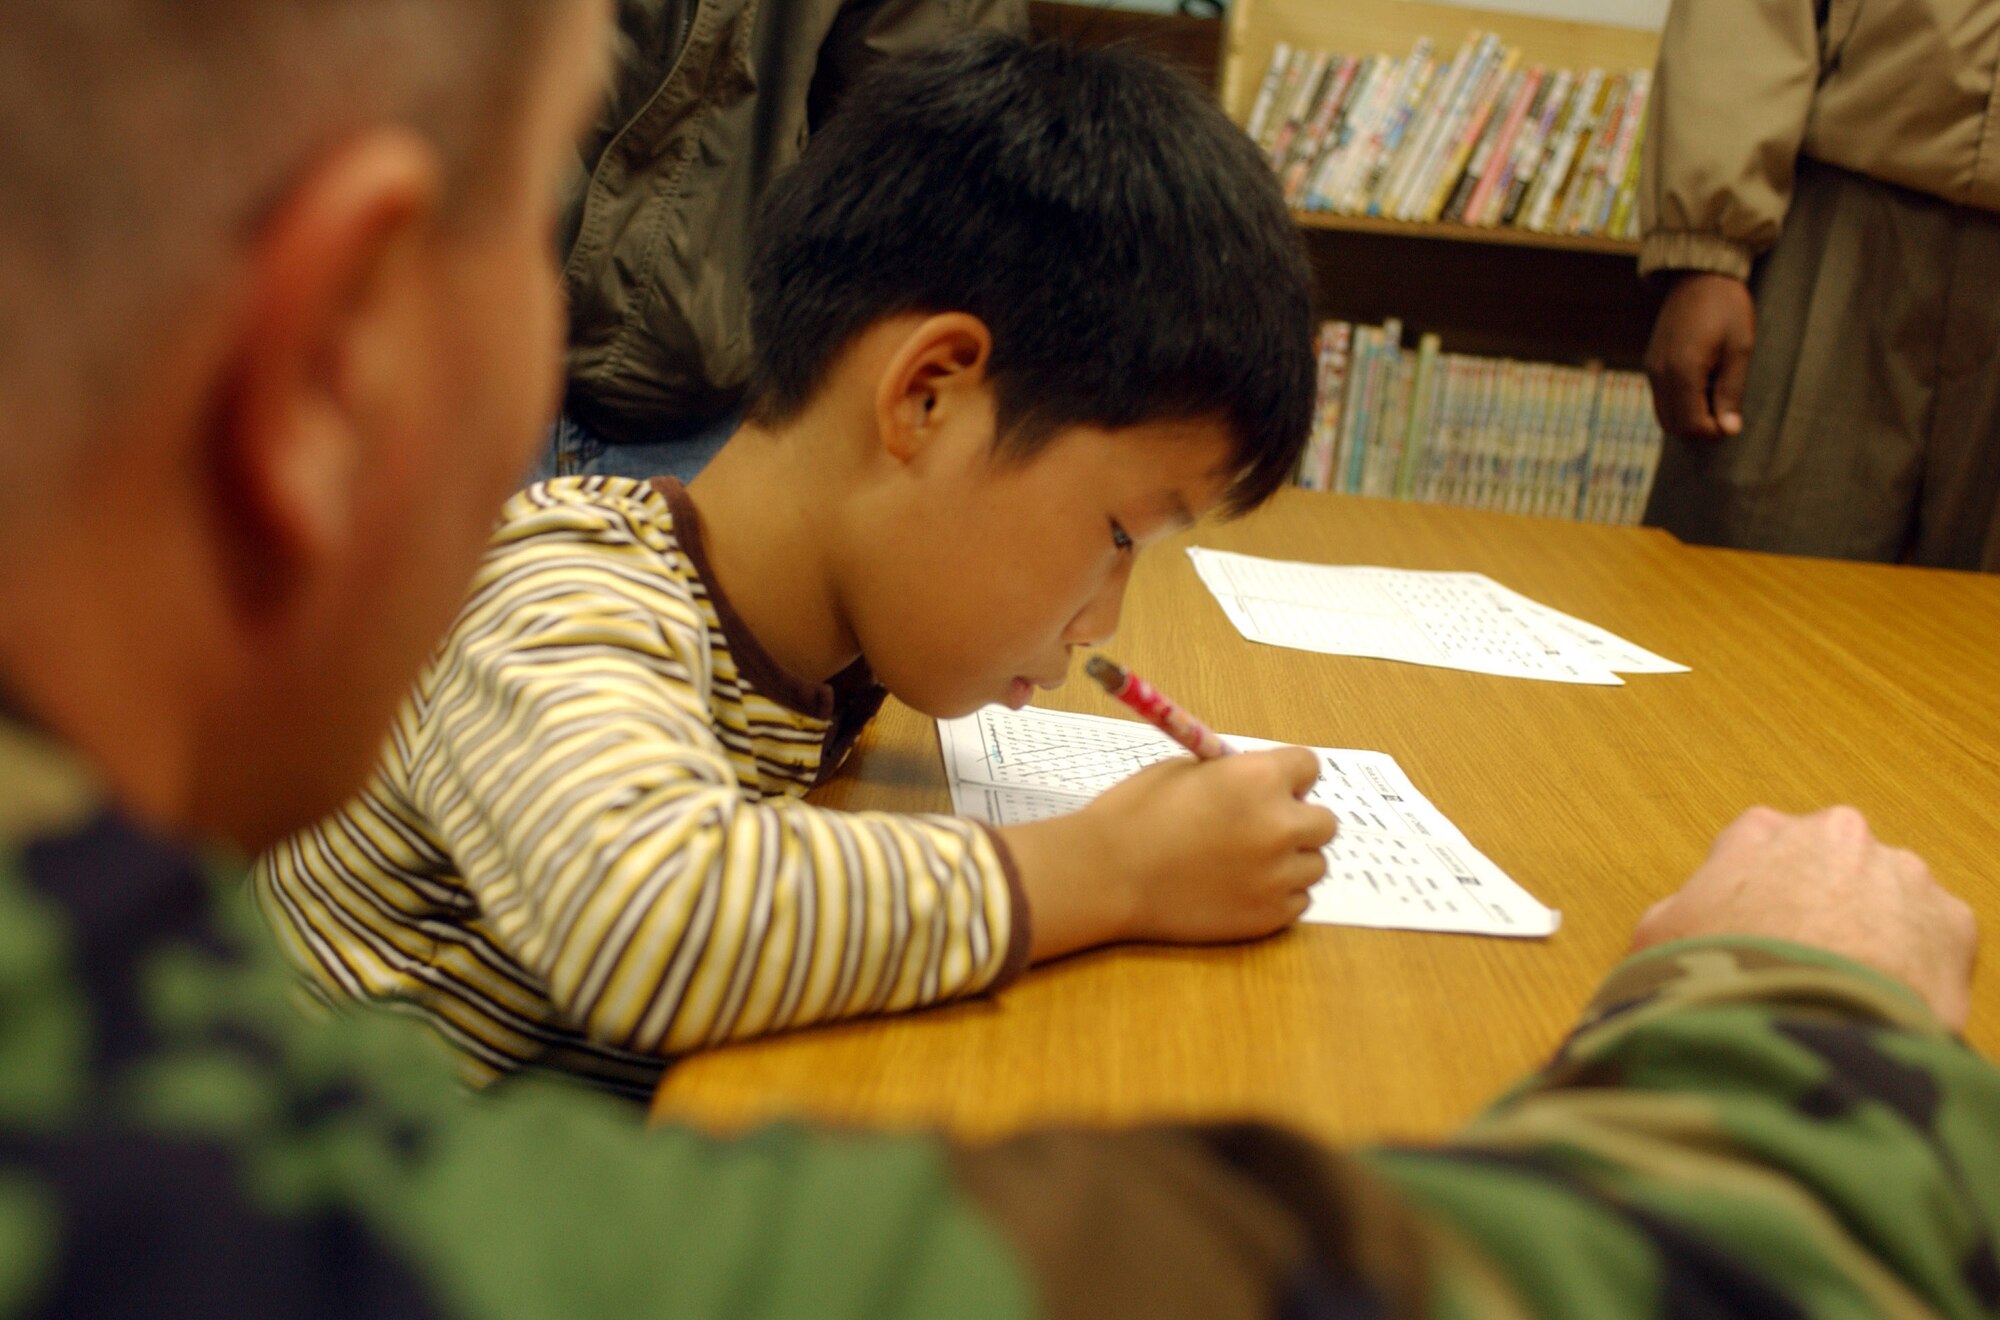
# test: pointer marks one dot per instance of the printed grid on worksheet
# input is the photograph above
(1081, 755)
(1074, 758)
(1397, 862)
(1376, 879)
(1452, 620)
(1431, 619)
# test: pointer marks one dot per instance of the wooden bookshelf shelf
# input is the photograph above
(1503, 235)
(1495, 292)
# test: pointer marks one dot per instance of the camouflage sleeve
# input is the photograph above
(177, 1140)
(1737, 1128)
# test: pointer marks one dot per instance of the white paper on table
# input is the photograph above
(1450, 620)
(1396, 863)
(1611, 650)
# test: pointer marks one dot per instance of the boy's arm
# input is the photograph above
(564, 756)
(1731, 93)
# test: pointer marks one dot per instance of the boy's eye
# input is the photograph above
(1120, 538)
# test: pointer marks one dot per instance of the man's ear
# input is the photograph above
(936, 377)
(333, 313)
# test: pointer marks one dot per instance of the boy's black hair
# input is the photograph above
(1124, 242)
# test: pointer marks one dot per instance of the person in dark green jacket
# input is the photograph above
(710, 100)
(332, 328)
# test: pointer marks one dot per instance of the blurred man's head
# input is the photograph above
(278, 329)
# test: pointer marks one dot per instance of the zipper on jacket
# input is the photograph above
(687, 25)
(686, 29)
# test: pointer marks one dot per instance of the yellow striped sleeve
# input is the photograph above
(563, 753)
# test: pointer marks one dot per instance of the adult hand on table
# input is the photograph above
(1825, 880)
(1700, 354)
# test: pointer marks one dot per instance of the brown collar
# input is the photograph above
(822, 701)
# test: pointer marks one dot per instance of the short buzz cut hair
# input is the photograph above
(142, 140)
(1124, 242)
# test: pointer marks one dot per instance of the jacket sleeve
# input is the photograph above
(1737, 1127)
(1731, 96)
(869, 30)
(568, 763)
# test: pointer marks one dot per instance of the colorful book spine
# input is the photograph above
(1422, 421)
(1347, 133)
(1351, 407)
(1296, 59)
(1624, 221)
(1306, 151)
(1535, 144)
(1423, 127)
(1625, 150)
(1447, 129)
(1385, 348)
(1562, 157)
(1405, 103)
(1386, 459)
(1484, 164)
(1438, 130)
(1316, 465)
(1299, 107)
(1585, 188)
(1471, 131)
(1491, 199)
(1577, 423)
(1445, 433)
(1267, 93)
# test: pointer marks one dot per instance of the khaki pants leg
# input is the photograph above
(1958, 511)
(1870, 418)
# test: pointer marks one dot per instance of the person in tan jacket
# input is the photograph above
(1820, 185)
(709, 101)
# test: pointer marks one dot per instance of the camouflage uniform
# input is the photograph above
(1737, 1127)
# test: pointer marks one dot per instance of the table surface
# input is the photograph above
(1813, 682)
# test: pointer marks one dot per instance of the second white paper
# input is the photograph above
(1451, 620)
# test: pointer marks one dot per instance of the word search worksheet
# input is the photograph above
(1451, 620)
(1396, 863)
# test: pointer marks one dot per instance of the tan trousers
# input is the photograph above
(1872, 408)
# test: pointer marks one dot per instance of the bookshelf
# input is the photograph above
(1497, 291)
(1390, 26)
(1442, 231)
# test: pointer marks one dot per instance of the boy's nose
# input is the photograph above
(1097, 622)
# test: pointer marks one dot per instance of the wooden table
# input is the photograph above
(1814, 682)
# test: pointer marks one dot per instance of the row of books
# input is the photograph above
(1488, 433)
(1480, 139)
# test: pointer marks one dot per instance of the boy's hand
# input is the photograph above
(1186, 851)
(1825, 880)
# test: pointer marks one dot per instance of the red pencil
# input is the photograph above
(1158, 711)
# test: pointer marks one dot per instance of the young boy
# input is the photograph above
(1021, 311)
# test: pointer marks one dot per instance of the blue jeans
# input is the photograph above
(577, 451)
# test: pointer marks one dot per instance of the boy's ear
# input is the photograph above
(332, 314)
(935, 379)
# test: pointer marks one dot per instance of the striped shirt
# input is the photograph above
(584, 849)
